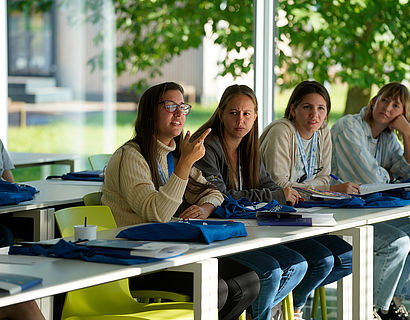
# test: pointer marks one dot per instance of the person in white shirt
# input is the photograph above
(366, 150)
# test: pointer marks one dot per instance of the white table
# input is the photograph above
(65, 275)
(52, 193)
(199, 260)
(28, 159)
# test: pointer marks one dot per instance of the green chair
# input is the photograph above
(111, 300)
(93, 199)
(99, 161)
(101, 216)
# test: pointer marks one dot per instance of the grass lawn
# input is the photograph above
(84, 133)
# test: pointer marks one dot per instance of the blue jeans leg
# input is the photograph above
(320, 263)
(391, 249)
(342, 255)
(403, 287)
(294, 268)
(277, 277)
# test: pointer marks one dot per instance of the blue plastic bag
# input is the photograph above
(245, 209)
(12, 193)
(69, 250)
(192, 230)
(86, 175)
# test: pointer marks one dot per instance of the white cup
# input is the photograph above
(85, 232)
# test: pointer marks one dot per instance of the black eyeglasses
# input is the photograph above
(171, 107)
(303, 178)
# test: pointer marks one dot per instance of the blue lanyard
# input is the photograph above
(170, 162)
(309, 169)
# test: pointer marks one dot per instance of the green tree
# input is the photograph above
(157, 30)
(361, 42)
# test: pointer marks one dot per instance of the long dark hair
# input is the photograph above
(146, 132)
(304, 88)
(146, 129)
(249, 157)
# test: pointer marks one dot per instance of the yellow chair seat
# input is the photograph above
(113, 300)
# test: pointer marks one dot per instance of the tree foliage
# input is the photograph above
(361, 42)
(154, 31)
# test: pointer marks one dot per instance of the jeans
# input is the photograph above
(391, 262)
(329, 259)
(279, 269)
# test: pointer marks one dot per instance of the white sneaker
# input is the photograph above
(376, 315)
(298, 316)
(276, 312)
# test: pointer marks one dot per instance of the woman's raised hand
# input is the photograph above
(191, 152)
(401, 124)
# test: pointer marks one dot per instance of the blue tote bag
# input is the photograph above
(12, 193)
(192, 230)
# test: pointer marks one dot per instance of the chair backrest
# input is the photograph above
(93, 199)
(101, 216)
(99, 161)
(109, 298)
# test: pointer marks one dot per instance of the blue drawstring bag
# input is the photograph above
(12, 193)
(374, 200)
(86, 175)
(69, 250)
(191, 230)
(245, 209)
(398, 193)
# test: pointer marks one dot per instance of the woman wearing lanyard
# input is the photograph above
(232, 163)
(296, 151)
(143, 184)
(366, 150)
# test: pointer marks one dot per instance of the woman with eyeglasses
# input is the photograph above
(296, 151)
(151, 178)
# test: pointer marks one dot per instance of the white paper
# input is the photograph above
(377, 187)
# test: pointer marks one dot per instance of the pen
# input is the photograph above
(336, 178)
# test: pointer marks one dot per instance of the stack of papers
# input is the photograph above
(148, 249)
(311, 193)
(303, 217)
(378, 187)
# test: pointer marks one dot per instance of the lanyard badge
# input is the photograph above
(309, 168)
(170, 162)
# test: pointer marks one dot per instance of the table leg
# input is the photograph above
(43, 222)
(362, 297)
(46, 306)
(205, 287)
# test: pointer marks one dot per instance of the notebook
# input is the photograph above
(274, 219)
(149, 249)
(321, 194)
(378, 187)
(14, 283)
